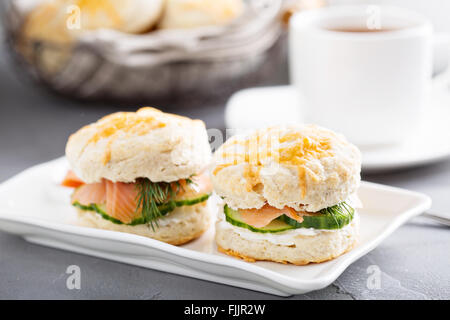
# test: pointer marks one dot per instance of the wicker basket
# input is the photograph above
(106, 64)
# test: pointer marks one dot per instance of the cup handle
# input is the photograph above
(441, 52)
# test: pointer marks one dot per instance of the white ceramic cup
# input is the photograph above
(370, 86)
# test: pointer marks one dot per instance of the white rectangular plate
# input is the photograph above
(35, 207)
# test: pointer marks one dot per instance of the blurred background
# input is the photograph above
(60, 71)
(53, 80)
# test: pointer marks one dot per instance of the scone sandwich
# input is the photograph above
(289, 195)
(143, 173)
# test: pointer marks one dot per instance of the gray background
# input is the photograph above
(34, 126)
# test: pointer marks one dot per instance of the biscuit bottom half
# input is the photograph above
(306, 249)
(180, 226)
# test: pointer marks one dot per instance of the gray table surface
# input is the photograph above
(34, 126)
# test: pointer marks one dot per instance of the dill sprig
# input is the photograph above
(341, 209)
(152, 195)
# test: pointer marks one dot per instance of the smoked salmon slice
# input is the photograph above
(259, 218)
(121, 201)
(71, 180)
(121, 198)
(201, 185)
(88, 194)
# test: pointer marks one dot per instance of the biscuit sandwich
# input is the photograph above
(143, 173)
(289, 195)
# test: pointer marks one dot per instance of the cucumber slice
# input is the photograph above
(193, 201)
(332, 218)
(164, 209)
(97, 208)
(335, 217)
(234, 217)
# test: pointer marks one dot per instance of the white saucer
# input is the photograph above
(259, 107)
